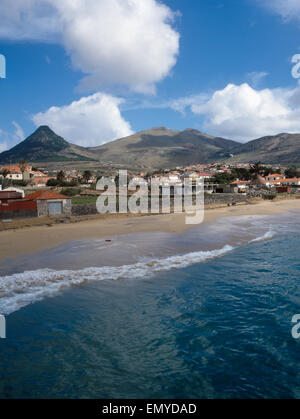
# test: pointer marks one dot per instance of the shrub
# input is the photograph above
(70, 191)
(52, 182)
(19, 182)
(270, 196)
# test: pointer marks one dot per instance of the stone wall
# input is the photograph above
(86, 209)
(210, 199)
(5, 215)
(225, 199)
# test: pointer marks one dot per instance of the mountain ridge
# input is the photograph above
(158, 147)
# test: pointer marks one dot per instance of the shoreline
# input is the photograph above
(29, 240)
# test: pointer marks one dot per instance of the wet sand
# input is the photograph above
(24, 241)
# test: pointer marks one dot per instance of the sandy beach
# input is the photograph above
(31, 239)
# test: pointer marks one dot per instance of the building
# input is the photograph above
(13, 206)
(40, 181)
(283, 189)
(15, 173)
(239, 186)
(7, 196)
(274, 177)
(290, 182)
(14, 189)
(49, 203)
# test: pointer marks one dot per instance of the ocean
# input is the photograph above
(204, 314)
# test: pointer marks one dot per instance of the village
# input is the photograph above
(30, 192)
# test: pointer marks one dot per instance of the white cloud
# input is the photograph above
(3, 142)
(124, 42)
(8, 139)
(90, 121)
(288, 9)
(19, 133)
(256, 77)
(181, 104)
(243, 113)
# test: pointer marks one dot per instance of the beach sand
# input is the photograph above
(28, 240)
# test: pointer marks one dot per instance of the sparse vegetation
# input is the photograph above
(270, 196)
(84, 200)
(70, 191)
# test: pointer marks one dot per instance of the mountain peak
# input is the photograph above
(44, 145)
(44, 129)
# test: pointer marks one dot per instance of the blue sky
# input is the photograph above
(114, 67)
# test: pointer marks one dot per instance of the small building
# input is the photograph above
(291, 182)
(283, 189)
(239, 186)
(40, 181)
(274, 176)
(14, 172)
(51, 203)
(14, 189)
(7, 196)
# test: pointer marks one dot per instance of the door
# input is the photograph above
(55, 208)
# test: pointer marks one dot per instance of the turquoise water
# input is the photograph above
(219, 328)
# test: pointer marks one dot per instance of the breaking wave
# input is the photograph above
(22, 289)
(267, 236)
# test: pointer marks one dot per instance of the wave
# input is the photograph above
(22, 289)
(267, 236)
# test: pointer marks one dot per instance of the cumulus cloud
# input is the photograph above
(126, 42)
(90, 121)
(243, 113)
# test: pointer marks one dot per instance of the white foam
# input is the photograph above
(267, 236)
(22, 289)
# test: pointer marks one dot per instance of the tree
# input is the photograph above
(61, 176)
(256, 168)
(4, 182)
(87, 174)
(52, 182)
(291, 172)
(23, 166)
(5, 173)
(223, 178)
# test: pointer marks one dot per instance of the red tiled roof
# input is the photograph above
(41, 179)
(238, 182)
(275, 175)
(15, 169)
(291, 180)
(45, 195)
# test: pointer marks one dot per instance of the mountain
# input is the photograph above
(156, 148)
(44, 145)
(282, 148)
(162, 147)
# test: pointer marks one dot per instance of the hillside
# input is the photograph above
(155, 148)
(42, 146)
(281, 148)
(162, 147)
